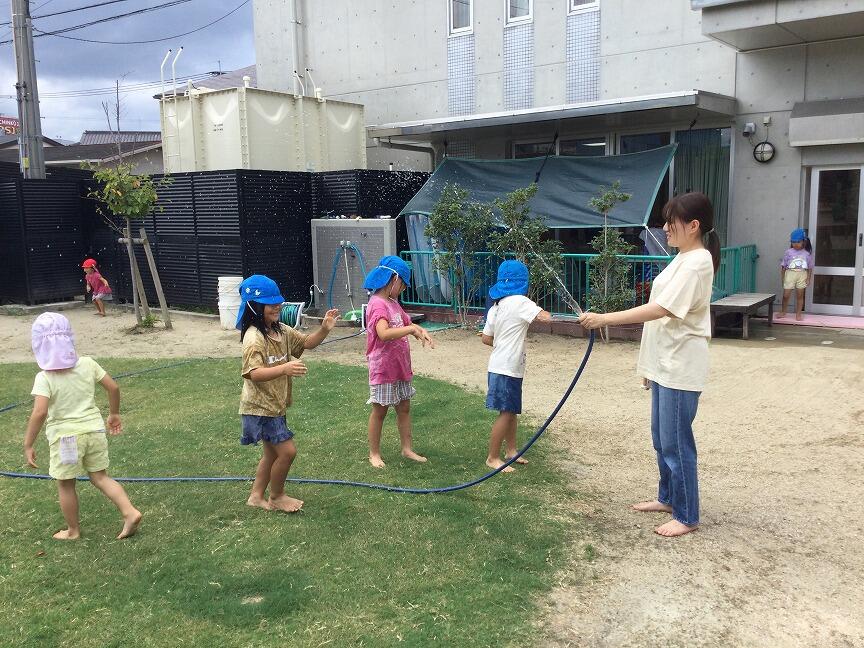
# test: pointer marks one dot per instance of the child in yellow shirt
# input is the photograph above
(63, 394)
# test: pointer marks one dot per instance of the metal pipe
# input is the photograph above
(162, 74)
(176, 113)
(300, 79)
(174, 71)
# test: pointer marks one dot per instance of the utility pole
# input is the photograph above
(30, 143)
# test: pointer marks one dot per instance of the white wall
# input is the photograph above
(658, 46)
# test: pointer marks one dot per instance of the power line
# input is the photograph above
(135, 87)
(47, 2)
(164, 5)
(67, 11)
(140, 42)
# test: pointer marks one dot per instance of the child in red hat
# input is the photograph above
(97, 284)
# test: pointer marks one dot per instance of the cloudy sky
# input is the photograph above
(65, 65)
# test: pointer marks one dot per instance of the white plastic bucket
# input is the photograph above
(229, 301)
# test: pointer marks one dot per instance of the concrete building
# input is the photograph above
(500, 78)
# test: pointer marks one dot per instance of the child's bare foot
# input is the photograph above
(651, 507)
(780, 315)
(497, 463)
(376, 461)
(66, 534)
(285, 504)
(413, 456)
(674, 528)
(799, 317)
(130, 525)
(521, 460)
(258, 502)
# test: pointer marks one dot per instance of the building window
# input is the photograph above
(461, 16)
(582, 5)
(532, 149)
(519, 11)
(585, 147)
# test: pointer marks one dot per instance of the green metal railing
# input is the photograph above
(430, 287)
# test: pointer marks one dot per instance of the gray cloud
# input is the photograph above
(64, 65)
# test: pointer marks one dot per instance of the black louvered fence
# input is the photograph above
(208, 224)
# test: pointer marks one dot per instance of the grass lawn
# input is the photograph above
(355, 568)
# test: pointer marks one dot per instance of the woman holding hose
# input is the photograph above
(673, 356)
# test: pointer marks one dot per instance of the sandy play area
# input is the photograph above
(779, 560)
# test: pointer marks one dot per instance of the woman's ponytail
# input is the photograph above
(712, 244)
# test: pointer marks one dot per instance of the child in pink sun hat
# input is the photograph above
(63, 400)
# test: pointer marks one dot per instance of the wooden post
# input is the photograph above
(166, 316)
(136, 277)
(131, 252)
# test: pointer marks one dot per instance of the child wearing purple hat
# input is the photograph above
(505, 331)
(63, 395)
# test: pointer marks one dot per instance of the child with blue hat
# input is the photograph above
(390, 377)
(796, 271)
(269, 352)
(505, 331)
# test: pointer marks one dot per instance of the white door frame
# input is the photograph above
(857, 307)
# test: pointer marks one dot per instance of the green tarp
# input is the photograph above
(566, 185)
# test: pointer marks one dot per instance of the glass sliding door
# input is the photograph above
(837, 234)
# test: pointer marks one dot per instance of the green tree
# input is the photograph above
(121, 194)
(523, 237)
(609, 277)
(459, 229)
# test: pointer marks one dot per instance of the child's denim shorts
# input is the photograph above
(272, 429)
(505, 393)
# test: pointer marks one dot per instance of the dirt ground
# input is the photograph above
(779, 559)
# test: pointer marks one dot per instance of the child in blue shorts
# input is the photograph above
(505, 331)
(268, 349)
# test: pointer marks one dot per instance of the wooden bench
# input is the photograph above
(746, 304)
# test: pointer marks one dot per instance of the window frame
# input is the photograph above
(573, 8)
(520, 20)
(461, 31)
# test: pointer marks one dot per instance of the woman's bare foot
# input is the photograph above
(799, 317)
(651, 507)
(497, 463)
(66, 534)
(285, 504)
(674, 528)
(130, 525)
(258, 502)
(780, 316)
(413, 456)
(520, 460)
(376, 461)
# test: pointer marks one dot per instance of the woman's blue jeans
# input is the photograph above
(672, 414)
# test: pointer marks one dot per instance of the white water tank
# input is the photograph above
(248, 128)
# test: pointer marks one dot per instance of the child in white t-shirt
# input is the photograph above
(505, 331)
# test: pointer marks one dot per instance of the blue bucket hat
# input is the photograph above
(798, 235)
(257, 288)
(384, 271)
(512, 280)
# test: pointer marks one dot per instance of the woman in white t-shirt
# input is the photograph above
(673, 357)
